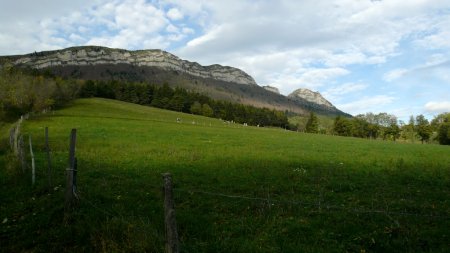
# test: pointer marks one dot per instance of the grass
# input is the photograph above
(298, 192)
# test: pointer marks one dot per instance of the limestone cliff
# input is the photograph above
(93, 55)
(272, 89)
(310, 96)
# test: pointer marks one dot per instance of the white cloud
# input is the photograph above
(394, 74)
(438, 35)
(175, 14)
(346, 88)
(318, 77)
(367, 104)
(289, 44)
(172, 29)
(437, 107)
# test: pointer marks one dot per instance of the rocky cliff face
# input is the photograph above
(82, 56)
(310, 96)
(272, 89)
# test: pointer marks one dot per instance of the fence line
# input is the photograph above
(321, 206)
(111, 213)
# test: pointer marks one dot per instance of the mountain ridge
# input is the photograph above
(158, 66)
(94, 55)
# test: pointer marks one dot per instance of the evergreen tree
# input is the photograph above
(196, 108)
(176, 103)
(312, 125)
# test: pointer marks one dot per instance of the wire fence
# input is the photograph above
(315, 205)
(318, 206)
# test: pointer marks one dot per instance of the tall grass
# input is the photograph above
(237, 189)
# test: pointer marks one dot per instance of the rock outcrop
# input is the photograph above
(272, 89)
(93, 55)
(310, 96)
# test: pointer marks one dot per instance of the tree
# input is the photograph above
(196, 108)
(176, 103)
(360, 127)
(423, 128)
(408, 131)
(207, 110)
(442, 123)
(312, 125)
(342, 126)
(393, 131)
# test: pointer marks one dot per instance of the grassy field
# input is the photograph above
(237, 189)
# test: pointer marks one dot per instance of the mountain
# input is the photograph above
(310, 96)
(272, 89)
(158, 67)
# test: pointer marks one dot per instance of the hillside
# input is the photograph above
(236, 188)
(158, 67)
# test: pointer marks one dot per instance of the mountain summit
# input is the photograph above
(159, 67)
(310, 96)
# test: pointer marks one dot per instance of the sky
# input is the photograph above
(362, 55)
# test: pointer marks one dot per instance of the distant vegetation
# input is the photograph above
(182, 100)
(387, 127)
(23, 91)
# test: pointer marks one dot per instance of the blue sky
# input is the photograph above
(363, 55)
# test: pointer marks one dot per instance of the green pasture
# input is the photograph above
(236, 188)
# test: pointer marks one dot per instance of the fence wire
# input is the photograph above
(321, 206)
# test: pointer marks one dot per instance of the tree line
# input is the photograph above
(182, 100)
(387, 127)
(22, 93)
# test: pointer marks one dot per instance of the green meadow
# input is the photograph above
(236, 188)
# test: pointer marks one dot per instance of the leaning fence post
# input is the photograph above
(33, 169)
(16, 137)
(172, 245)
(21, 153)
(49, 161)
(70, 171)
(12, 133)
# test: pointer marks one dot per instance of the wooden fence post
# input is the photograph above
(21, 153)
(70, 171)
(49, 161)
(172, 245)
(33, 169)
(12, 133)
(75, 172)
(16, 137)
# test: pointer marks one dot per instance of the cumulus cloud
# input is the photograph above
(437, 107)
(318, 44)
(174, 14)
